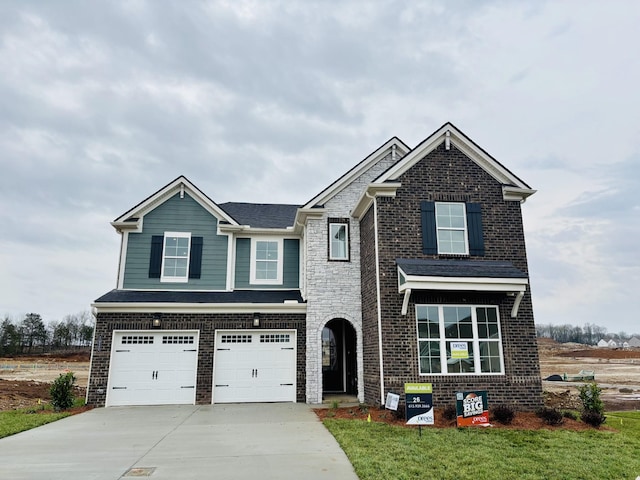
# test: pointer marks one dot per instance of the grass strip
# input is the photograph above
(380, 451)
(16, 421)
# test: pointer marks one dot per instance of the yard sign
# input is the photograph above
(419, 401)
(472, 409)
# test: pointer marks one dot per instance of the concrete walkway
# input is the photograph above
(248, 441)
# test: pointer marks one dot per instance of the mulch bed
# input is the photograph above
(522, 420)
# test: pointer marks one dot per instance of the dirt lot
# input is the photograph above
(617, 372)
(25, 380)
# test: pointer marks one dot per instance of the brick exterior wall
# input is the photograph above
(206, 324)
(446, 175)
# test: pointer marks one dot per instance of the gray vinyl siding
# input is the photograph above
(290, 267)
(178, 215)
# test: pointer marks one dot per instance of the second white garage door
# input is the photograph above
(255, 366)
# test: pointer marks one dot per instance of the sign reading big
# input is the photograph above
(472, 408)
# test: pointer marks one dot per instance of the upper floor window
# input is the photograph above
(452, 228)
(338, 241)
(451, 225)
(459, 340)
(175, 257)
(266, 261)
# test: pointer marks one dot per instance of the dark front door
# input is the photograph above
(339, 358)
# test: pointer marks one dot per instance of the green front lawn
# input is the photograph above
(16, 421)
(379, 451)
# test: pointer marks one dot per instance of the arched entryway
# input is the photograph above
(339, 361)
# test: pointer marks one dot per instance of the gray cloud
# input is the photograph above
(270, 101)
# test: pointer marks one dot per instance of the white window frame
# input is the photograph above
(332, 255)
(464, 229)
(280, 262)
(474, 341)
(172, 278)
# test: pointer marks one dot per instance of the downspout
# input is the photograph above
(375, 229)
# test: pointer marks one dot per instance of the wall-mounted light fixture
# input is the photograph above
(157, 320)
(256, 320)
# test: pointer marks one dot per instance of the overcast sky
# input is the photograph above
(103, 103)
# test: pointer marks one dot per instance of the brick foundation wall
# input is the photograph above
(206, 324)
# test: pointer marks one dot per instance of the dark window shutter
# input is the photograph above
(155, 262)
(195, 260)
(429, 238)
(474, 225)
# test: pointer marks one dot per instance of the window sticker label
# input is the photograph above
(459, 350)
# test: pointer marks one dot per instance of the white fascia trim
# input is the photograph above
(358, 170)
(231, 261)
(122, 307)
(135, 227)
(448, 131)
(304, 214)
(482, 284)
(374, 190)
(124, 244)
(180, 184)
(516, 193)
(247, 230)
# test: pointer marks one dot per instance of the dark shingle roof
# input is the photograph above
(162, 296)
(261, 215)
(459, 268)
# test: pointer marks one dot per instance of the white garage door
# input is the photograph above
(153, 368)
(255, 366)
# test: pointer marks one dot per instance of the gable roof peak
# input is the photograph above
(514, 187)
(394, 145)
(131, 219)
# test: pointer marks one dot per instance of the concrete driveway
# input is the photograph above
(248, 441)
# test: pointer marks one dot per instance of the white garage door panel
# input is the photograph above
(255, 366)
(153, 368)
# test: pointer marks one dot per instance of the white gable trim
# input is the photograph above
(514, 188)
(393, 146)
(179, 185)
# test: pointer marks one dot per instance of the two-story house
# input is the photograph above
(411, 267)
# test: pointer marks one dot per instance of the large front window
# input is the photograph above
(458, 340)
(451, 226)
(175, 258)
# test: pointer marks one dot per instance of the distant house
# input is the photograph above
(612, 344)
(634, 342)
(603, 343)
(625, 344)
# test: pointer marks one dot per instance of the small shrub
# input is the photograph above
(364, 408)
(335, 404)
(450, 413)
(570, 414)
(551, 416)
(503, 414)
(593, 418)
(593, 407)
(590, 397)
(62, 392)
